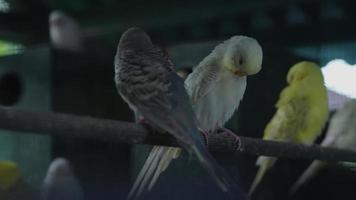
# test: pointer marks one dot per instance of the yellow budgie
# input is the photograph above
(12, 186)
(302, 111)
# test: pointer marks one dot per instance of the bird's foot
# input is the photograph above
(232, 134)
(205, 136)
(142, 121)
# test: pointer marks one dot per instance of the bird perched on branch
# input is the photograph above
(146, 80)
(302, 111)
(217, 85)
(60, 182)
(341, 134)
(12, 184)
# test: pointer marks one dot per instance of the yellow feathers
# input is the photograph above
(10, 175)
(302, 108)
(302, 111)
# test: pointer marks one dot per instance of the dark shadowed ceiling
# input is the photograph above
(288, 22)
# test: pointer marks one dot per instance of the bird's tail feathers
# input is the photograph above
(223, 180)
(265, 164)
(157, 161)
(168, 156)
(307, 175)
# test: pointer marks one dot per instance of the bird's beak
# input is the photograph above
(238, 72)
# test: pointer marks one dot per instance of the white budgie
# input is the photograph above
(65, 33)
(217, 85)
(60, 182)
(341, 134)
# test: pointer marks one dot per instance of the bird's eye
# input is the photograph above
(241, 61)
(301, 76)
(290, 78)
(238, 61)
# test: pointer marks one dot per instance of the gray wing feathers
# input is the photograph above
(204, 77)
(133, 84)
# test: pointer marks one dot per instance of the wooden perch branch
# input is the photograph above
(66, 125)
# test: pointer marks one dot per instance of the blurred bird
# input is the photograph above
(65, 32)
(302, 111)
(217, 85)
(12, 185)
(341, 134)
(60, 182)
(146, 80)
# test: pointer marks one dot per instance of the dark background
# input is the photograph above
(288, 31)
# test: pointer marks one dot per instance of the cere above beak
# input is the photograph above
(239, 72)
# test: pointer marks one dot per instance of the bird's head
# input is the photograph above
(133, 39)
(10, 175)
(60, 167)
(243, 56)
(304, 70)
(65, 33)
(58, 18)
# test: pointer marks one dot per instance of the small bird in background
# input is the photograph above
(65, 33)
(12, 184)
(60, 182)
(217, 85)
(146, 80)
(340, 134)
(302, 111)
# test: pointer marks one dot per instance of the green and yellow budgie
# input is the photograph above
(9, 175)
(302, 111)
(12, 185)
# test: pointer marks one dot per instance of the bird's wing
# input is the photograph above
(146, 85)
(290, 118)
(158, 93)
(287, 122)
(342, 127)
(201, 81)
